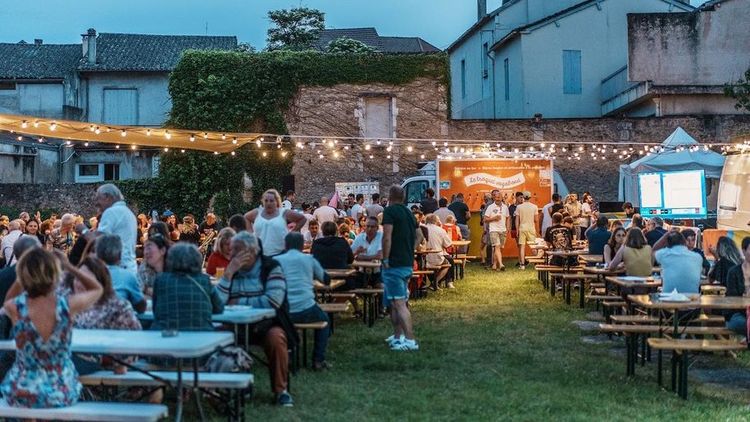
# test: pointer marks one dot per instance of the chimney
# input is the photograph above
(481, 9)
(37, 41)
(89, 45)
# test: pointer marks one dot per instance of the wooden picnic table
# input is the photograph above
(567, 253)
(341, 273)
(461, 242)
(631, 282)
(335, 284)
(366, 264)
(429, 251)
(592, 259)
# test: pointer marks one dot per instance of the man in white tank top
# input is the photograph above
(271, 223)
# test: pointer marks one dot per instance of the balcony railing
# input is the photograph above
(615, 84)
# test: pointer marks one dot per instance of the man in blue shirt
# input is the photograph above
(680, 267)
(656, 231)
(598, 235)
(124, 282)
(301, 270)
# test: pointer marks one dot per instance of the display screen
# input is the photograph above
(677, 194)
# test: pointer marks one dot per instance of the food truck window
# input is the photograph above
(415, 191)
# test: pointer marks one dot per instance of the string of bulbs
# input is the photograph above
(340, 145)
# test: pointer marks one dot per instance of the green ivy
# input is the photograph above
(249, 92)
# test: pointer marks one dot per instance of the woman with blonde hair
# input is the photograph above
(221, 254)
(270, 222)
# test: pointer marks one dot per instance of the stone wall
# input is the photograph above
(421, 113)
(74, 198)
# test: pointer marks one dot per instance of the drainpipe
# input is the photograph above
(491, 56)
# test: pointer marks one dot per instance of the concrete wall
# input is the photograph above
(669, 105)
(28, 163)
(34, 99)
(706, 48)
(153, 102)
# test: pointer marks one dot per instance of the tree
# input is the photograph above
(347, 45)
(740, 91)
(294, 29)
(245, 47)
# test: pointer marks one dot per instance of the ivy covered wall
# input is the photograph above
(249, 92)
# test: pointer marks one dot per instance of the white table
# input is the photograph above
(233, 314)
(186, 345)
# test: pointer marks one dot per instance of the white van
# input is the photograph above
(734, 194)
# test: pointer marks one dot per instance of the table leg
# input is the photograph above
(178, 411)
(659, 353)
(683, 374)
(197, 391)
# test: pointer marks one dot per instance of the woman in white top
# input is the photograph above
(270, 222)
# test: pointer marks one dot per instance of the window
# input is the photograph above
(378, 117)
(88, 170)
(506, 67)
(7, 86)
(485, 60)
(463, 78)
(571, 71)
(415, 191)
(120, 106)
(96, 172)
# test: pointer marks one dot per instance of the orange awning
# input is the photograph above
(73, 130)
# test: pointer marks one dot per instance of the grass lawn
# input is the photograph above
(497, 347)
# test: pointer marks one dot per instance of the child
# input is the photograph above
(43, 374)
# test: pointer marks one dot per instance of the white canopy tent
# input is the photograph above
(672, 158)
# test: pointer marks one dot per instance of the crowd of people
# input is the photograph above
(68, 271)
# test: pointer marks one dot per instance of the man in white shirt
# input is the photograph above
(325, 212)
(438, 240)
(358, 209)
(527, 218)
(118, 219)
(6, 246)
(496, 215)
(368, 246)
(288, 202)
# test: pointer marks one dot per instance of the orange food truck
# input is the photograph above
(476, 178)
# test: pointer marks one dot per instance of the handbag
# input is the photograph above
(229, 359)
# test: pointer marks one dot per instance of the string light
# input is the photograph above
(117, 146)
(123, 133)
(223, 136)
(24, 124)
(167, 135)
(192, 138)
(265, 154)
(36, 123)
(53, 126)
(97, 130)
(132, 147)
(148, 132)
(234, 141)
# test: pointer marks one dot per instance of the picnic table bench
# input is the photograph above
(370, 299)
(89, 411)
(238, 384)
(680, 349)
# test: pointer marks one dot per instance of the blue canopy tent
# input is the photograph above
(675, 156)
